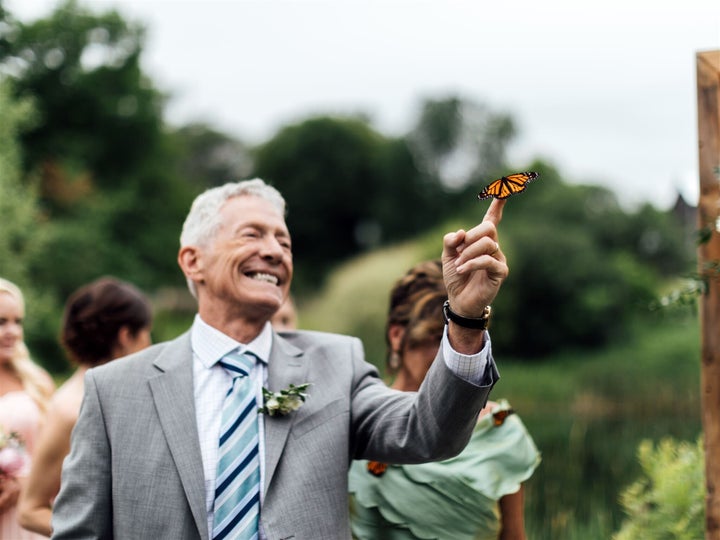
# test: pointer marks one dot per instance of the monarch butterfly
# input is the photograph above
(500, 416)
(508, 185)
(376, 468)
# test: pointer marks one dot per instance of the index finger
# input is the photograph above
(495, 211)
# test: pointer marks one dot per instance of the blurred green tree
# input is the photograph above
(460, 141)
(210, 158)
(18, 201)
(348, 188)
(24, 231)
(99, 116)
(108, 174)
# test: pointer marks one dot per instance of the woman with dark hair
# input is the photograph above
(104, 320)
(477, 495)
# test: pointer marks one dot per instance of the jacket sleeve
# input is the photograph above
(407, 427)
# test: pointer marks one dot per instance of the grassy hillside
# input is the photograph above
(355, 298)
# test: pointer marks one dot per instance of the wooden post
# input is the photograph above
(708, 96)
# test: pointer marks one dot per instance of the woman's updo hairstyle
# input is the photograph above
(416, 302)
(94, 315)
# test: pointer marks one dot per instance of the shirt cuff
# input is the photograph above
(472, 368)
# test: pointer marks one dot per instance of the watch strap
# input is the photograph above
(480, 323)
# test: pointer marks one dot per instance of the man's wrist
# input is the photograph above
(467, 341)
(463, 343)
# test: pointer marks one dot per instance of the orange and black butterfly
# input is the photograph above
(376, 468)
(500, 416)
(508, 185)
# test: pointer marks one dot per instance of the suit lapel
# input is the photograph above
(172, 391)
(286, 366)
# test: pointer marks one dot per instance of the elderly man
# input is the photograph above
(183, 441)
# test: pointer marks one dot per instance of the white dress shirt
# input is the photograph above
(211, 383)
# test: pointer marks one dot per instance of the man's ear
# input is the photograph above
(190, 261)
(396, 334)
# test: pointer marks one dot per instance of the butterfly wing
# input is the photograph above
(503, 187)
(494, 189)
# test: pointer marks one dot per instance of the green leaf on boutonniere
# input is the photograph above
(284, 401)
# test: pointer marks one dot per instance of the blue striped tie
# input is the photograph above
(237, 488)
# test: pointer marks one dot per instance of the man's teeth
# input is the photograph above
(265, 277)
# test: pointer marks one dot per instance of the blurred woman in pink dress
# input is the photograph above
(25, 389)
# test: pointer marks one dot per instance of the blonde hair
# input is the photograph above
(32, 377)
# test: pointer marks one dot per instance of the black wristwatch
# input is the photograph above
(480, 323)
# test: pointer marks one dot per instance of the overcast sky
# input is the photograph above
(605, 90)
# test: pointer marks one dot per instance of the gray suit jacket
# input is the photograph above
(135, 469)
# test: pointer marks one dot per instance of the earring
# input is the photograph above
(394, 361)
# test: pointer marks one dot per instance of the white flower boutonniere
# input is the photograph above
(284, 401)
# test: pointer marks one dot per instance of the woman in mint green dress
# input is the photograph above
(477, 495)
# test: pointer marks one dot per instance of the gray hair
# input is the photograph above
(203, 221)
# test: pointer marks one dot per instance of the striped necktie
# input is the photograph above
(237, 488)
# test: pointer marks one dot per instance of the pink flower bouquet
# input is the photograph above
(13, 456)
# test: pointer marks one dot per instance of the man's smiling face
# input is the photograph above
(248, 266)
